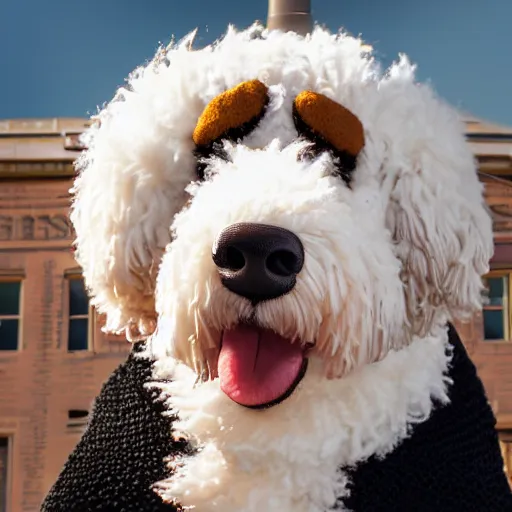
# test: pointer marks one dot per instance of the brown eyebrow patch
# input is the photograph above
(233, 114)
(330, 121)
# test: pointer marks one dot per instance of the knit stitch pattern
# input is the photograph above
(122, 451)
(450, 463)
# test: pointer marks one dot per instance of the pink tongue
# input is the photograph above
(257, 366)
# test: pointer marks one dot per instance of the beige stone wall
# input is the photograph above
(42, 381)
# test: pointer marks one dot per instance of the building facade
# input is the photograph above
(488, 337)
(53, 354)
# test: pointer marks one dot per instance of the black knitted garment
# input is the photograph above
(122, 451)
(450, 463)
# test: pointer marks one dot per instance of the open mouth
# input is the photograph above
(259, 368)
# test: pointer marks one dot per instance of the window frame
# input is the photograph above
(75, 276)
(507, 309)
(19, 316)
(77, 423)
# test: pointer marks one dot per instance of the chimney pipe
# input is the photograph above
(290, 15)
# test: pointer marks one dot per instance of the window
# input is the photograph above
(79, 317)
(4, 461)
(9, 314)
(77, 419)
(497, 306)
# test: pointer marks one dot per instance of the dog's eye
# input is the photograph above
(330, 126)
(230, 116)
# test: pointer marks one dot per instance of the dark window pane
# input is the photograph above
(77, 339)
(497, 289)
(10, 298)
(8, 334)
(494, 325)
(76, 414)
(78, 300)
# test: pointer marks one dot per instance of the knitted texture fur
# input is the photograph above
(122, 451)
(121, 454)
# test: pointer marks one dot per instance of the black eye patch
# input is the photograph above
(230, 116)
(330, 127)
(203, 154)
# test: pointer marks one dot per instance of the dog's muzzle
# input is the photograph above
(258, 261)
(257, 367)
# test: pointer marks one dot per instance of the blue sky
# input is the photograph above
(63, 58)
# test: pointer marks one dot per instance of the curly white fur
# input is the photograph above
(140, 160)
(387, 260)
(294, 457)
(349, 265)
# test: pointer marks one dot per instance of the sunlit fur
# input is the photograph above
(294, 457)
(349, 266)
(388, 259)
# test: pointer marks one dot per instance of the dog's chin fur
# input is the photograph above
(292, 456)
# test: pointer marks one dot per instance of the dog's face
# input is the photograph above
(273, 199)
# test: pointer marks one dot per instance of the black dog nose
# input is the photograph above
(257, 261)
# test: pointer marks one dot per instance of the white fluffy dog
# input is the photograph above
(290, 230)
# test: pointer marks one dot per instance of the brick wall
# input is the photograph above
(494, 363)
(41, 382)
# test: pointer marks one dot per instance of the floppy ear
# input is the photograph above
(437, 213)
(131, 183)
